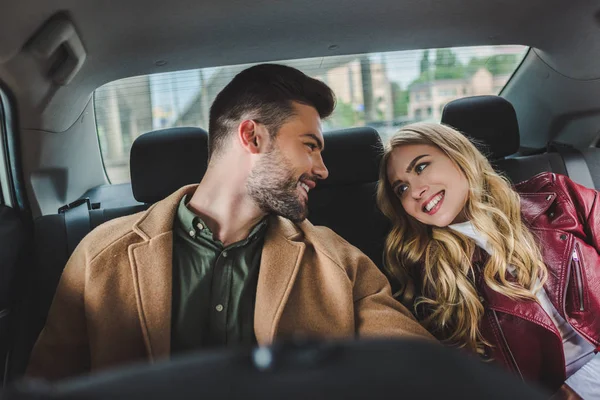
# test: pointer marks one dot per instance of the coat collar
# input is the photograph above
(158, 219)
(152, 261)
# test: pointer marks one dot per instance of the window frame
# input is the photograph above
(12, 187)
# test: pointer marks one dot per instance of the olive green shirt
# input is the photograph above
(214, 287)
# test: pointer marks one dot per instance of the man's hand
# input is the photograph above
(565, 393)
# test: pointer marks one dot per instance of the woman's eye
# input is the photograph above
(419, 168)
(401, 189)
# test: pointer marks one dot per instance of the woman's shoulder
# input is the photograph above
(547, 182)
(536, 183)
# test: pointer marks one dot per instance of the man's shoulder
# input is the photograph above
(109, 233)
(328, 242)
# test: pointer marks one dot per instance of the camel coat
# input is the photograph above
(113, 303)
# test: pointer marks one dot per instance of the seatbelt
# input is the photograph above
(575, 163)
(77, 221)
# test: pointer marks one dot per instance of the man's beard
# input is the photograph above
(274, 188)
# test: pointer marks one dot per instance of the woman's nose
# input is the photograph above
(418, 192)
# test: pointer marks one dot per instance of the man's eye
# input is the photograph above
(419, 168)
(311, 146)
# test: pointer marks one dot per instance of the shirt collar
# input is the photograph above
(194, 225)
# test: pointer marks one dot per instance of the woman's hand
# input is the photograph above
(565, 393)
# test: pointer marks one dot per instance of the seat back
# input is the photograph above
(161, 162)
(345, 201)
(491, 122)
(12, 250)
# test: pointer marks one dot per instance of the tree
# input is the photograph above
(343, 116)
(447, 66)
(502, 64)
(400, 98)
(474, 64)
(498, 64)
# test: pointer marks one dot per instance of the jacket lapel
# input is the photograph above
(525, 309)
(280, 263)
(151, 264)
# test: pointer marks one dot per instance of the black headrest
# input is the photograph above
(163, 161)
(352, 156)
(490, 120)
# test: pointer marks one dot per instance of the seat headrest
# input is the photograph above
(352, 156)
(163, 161)
(490, 120)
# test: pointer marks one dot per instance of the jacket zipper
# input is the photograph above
(578, 277)
(506, 344)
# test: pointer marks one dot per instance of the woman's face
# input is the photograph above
(431, 188)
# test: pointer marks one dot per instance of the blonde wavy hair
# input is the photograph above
(440, 259)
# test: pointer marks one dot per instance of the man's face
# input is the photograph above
(281, 180)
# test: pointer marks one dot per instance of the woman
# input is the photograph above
(511, 274)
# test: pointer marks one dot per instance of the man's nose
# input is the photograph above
(319, 169)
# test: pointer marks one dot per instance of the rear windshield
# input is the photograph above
(382, 90)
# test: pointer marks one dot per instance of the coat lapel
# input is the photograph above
(280, 263)
(152, 269)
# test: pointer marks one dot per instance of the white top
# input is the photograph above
(581, 364)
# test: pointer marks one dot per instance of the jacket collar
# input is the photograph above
(152, 261)
(535, 204)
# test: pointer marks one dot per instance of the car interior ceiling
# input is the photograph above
(555, 93)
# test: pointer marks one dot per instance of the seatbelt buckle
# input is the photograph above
(76, 203)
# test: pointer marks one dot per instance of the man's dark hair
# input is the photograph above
(265, 93)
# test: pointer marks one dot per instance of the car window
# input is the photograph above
(383, 90)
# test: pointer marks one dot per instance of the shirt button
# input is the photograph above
(200, 226)
(219, 307)
(192, 233)
(225, 254)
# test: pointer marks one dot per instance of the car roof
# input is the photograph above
(129, 37)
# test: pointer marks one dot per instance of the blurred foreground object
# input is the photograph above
(315, 370)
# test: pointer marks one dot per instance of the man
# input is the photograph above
(229, 261)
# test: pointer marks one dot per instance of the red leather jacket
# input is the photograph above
(566, 218)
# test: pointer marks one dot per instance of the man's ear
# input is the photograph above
(253, 136)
